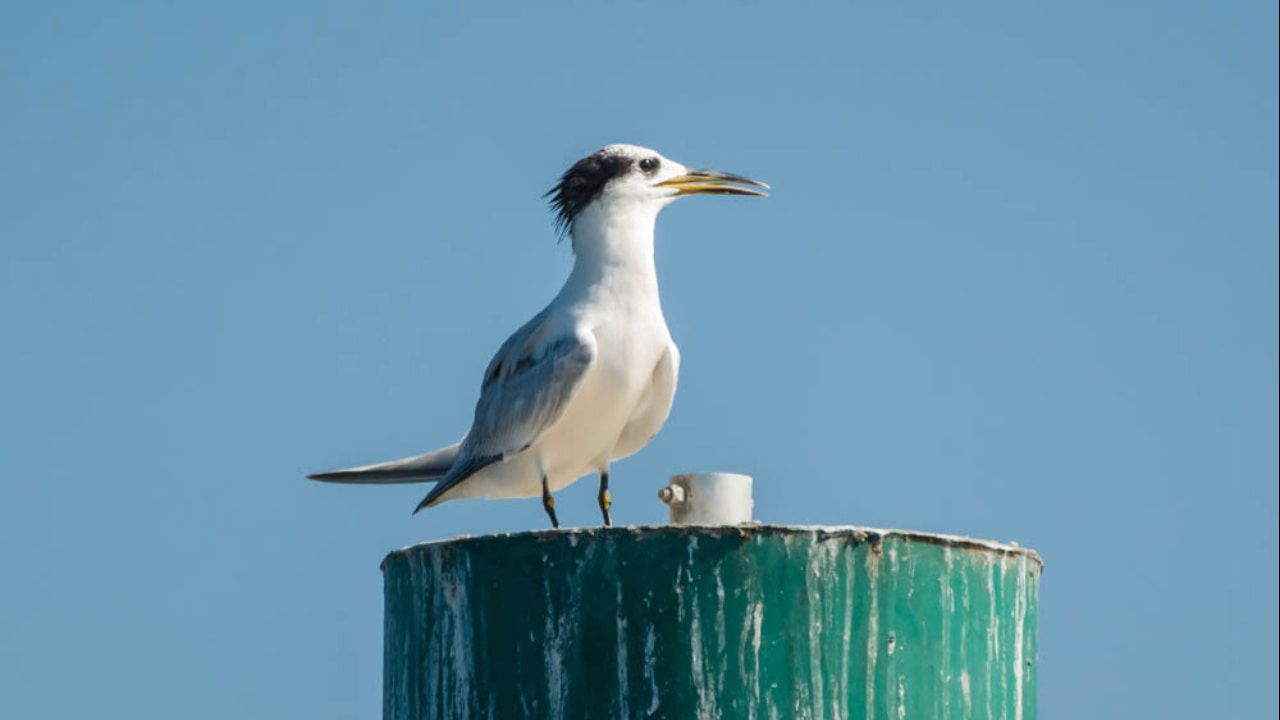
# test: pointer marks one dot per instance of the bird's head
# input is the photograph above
(619, 181)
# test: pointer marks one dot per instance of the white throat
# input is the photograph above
(613, 245)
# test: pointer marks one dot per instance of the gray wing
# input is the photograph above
(525, 390)
(420, 468)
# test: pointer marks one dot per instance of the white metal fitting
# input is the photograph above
(708, 499)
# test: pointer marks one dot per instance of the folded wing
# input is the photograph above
(525, 390)
(429, 467)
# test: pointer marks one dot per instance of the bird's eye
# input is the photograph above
(649, 165)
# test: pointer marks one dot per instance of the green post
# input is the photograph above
(748, 622)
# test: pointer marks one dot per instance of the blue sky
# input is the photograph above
(1017, 280)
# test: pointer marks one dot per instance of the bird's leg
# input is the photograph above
(549, 503)
(605, 499)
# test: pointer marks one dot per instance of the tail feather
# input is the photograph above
(420, 468)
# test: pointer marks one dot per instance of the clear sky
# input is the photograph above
(1017, 279)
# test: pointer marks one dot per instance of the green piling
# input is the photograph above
(749, 622)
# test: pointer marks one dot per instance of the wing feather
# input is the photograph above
(525, 390)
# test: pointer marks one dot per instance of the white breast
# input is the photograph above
(650, 413)
(617, 389)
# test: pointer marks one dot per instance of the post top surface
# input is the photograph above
(857, 533)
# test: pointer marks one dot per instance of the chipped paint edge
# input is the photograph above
(856, 532)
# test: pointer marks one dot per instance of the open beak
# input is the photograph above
(711, 182)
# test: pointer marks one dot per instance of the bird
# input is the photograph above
(591, 378)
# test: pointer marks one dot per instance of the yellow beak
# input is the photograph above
(711, 182)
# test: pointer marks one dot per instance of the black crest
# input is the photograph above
(583, 182)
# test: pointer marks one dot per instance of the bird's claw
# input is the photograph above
(549, 504)
(606, 502)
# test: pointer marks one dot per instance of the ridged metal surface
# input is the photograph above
(732, 622)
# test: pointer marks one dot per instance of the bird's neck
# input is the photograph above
(614, 251)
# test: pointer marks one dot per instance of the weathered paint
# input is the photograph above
(753, 622)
